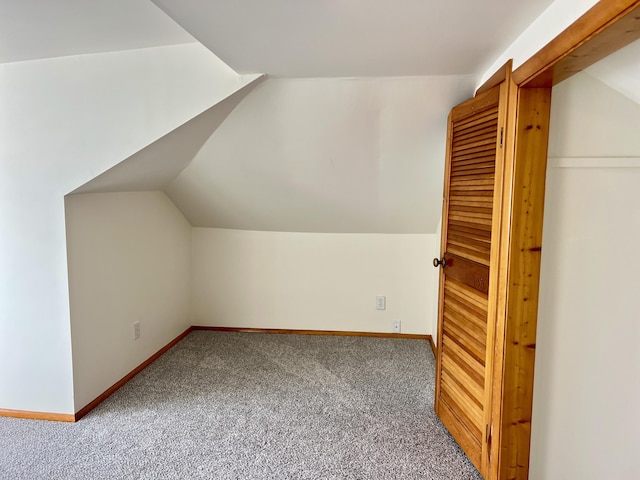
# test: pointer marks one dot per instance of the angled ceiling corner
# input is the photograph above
(156, 165)
(621, 71)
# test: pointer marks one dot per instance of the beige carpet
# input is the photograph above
(254, 406)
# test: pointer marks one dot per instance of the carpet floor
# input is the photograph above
(246, 406)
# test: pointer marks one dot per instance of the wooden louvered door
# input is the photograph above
(464, 368)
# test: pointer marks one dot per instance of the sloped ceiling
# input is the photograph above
(337, 38)
(326, 155)
(35, 29)
(155, 166)
(358, 153)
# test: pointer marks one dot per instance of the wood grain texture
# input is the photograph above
(467, 272)
(471, 159)
(521, 312)
(434, 349)
(465, 438)
(497, 78)
(54, 417)
(112, 389)
(482, 102)
(497, 274)
(625, 31)
(468, 206)
(285, 331)
(606, 27)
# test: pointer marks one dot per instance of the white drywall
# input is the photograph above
(156, 165)
(326, 155)
(621, 71)
(586, 393)
(129, 257)
(311, 280)
(604, 126)
(33, 29)
(337, 38)
(553, 21)
(62, 122)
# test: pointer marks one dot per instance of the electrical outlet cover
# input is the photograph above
(396, 326)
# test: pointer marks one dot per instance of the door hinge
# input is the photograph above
(501, 135)
(488, 433)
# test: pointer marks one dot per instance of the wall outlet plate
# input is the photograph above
(396, 326)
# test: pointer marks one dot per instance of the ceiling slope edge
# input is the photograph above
(156, 165)
(621, 71)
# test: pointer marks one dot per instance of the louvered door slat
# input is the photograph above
(482, 119)
(473, 388)
(464, 208)
(475, 227)
(474, 162)
(483, 131)
(462, 398)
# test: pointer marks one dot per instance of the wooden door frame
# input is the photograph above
(606, 27)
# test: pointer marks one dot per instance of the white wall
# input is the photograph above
(555, 19)
(311, 280)
(586, 393)
(621, 71)
(62, 122)
(605, 126)
(129, 257)
(347, 155)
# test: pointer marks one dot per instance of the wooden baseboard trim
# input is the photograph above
(63, 417)
(53, 417)
(101, 398)
(287, 331)
(433, 347)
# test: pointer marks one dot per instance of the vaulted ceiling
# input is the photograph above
(291, 38)
(338, 38)
(346, 134)
(36, 29)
